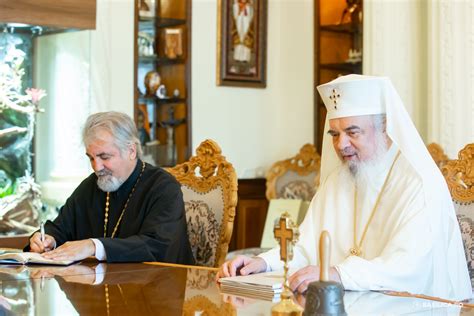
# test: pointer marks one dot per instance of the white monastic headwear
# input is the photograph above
(353, 95)
(356, 95)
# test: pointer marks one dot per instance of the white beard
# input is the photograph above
(107, 182)
(359, 169)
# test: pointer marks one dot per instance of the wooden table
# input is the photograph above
(159, 289)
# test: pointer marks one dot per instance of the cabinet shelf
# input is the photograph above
(159, 101)
(174, 74)
(334, 43)
(160, 60)
(348, 28)
(151, 24)
(348, 67)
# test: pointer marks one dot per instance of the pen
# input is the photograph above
(42, 231)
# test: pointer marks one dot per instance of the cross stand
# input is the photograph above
(286, 233)
(170, 124)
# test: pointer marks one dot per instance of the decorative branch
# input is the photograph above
(12, 130)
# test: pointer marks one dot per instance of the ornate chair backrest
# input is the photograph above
(459, 175)
(296, 177)
(209, 186)
(438, 155)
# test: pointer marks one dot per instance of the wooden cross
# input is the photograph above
(286, 233)
(334, 97)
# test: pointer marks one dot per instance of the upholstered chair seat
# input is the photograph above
(459, 175)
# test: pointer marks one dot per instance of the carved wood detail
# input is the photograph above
(459, 175)
(305, 162)
(205, 171)
(438, 155)
(200, 304)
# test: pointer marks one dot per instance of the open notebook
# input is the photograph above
(29, 258)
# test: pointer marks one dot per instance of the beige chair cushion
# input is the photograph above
(465, 214)
(204, 213)
(293, 186)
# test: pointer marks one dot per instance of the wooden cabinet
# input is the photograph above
(338, 48)
(163, 79)
(250, 214)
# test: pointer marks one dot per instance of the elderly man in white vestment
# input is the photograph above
(382, 199)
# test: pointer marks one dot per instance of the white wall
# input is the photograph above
(451, 74)
(256, 127)
(395, 45)
(426, 47)
(82, 72)
(112, 56)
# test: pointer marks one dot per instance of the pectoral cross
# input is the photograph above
(286, 233)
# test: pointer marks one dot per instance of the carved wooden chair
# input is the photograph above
(438, 155)
(459, 175)
(296, 177)
(293, 178)
(209, 186)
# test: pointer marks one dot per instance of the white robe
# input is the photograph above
(242, 20)
(399, 245)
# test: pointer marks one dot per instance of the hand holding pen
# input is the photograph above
(41, 242)
(42, 232)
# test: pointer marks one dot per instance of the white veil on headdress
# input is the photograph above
(356, 95)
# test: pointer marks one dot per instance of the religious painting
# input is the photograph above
(242, 33)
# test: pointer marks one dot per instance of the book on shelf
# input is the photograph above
(15, 257)
(265, 286)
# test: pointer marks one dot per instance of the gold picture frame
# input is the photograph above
(241, 43)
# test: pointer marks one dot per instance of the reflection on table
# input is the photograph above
(90, 288)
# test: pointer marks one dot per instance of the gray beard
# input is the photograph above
(109, 183)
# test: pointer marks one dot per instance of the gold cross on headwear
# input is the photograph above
(334, 97)
(286, 233)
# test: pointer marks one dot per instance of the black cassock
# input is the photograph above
(153, 227)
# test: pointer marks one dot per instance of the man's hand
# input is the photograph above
(36, 245)
(300, 280)
(77, 273)
(242, 265)
(72, 250)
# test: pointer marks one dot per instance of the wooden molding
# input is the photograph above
(201, 304)
(459, 175)
(62, 14)
(205, 171)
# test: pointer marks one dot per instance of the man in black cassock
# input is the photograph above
(127, 210)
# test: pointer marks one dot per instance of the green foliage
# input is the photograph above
(17, 111)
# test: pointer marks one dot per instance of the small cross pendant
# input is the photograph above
(355, 251)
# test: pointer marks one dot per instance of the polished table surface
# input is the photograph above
(90, 288)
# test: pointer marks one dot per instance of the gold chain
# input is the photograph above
(107, 299)
(106, 219)
(356, 250)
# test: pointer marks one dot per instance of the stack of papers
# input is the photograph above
(265, 286)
